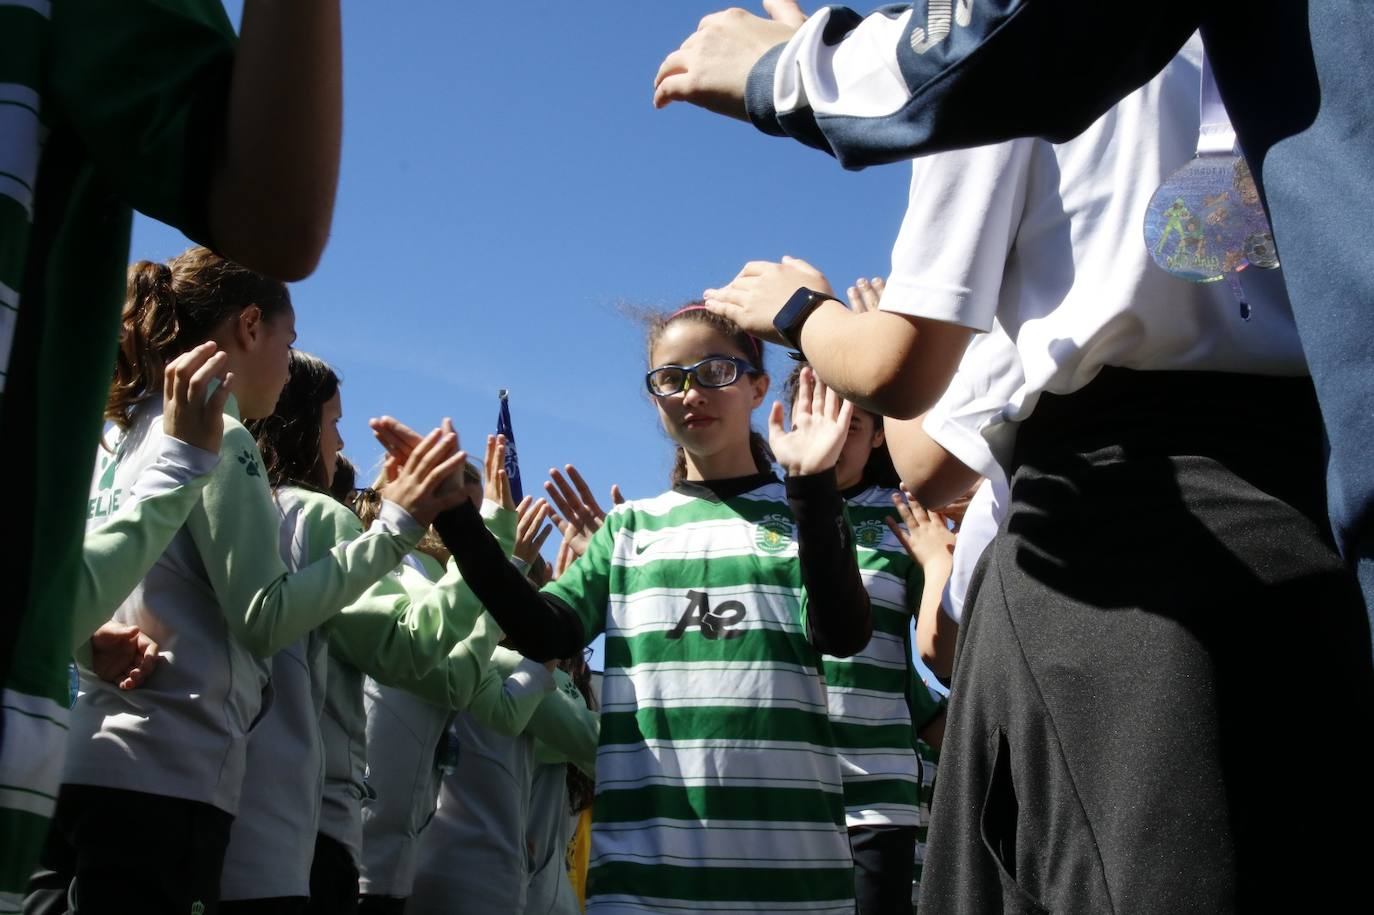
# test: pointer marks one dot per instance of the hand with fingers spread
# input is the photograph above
(530, 529)
(711, 68)
(757, 293)
(865, 295)
(820, 424)
(561, 562)
(496, 481)
(580, 515)
(190, 412)
(430, 478)
(925, 534)
(123, 655)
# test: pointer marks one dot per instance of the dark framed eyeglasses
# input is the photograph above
(711, 372)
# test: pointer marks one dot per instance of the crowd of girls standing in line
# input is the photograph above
(318, 697)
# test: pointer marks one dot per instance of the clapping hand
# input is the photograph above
(530, 529)
(424, 475)
(820, 424)
(924, 534)
(865, 295)
(580, 515)
(496, 481)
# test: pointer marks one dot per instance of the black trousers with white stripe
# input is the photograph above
(1163, 696)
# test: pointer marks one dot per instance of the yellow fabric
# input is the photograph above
(579, 854)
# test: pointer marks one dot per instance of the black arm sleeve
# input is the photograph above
(838, 621)
(540, 626)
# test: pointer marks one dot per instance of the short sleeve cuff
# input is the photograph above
(951, 304)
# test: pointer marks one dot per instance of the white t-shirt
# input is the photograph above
(1046, 241)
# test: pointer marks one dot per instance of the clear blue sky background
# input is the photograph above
(506, 186)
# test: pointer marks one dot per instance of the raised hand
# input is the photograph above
(496, 481)
(580, 515)
(924, 534)
(123, 655)
(820, 424)
(430, 479)
(530, 529)
(561, 562)
(188, 413)
(758, 292)
(711, 69)
(865, 295)
(395, 436)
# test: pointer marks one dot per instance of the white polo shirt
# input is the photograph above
(1046, 242)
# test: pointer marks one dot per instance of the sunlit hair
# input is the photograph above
(749, 347)
(289, 439)
(171, 308)
(879, 471)
(367, 504)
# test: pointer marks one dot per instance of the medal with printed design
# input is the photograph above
(1205, 222)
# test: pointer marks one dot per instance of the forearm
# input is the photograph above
(540, 627)
(933, 476)
(936, 633)
(886, 363)
(268, 618)
(897, 84)
(513, 689)
(838, 620)
(117, 554)
(566, 729)
(271, 197)
(435, 643)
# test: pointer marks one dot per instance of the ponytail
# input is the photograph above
(148, 329)
(170, 308)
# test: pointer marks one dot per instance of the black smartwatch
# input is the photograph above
(788, 322)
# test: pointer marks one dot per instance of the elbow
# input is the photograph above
(290, 254)
(277, 239)
(848, 644)
(891, 392)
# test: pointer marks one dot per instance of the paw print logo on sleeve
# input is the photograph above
(250, 463)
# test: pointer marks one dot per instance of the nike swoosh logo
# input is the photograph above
(640, 548)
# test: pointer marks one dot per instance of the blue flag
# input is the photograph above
(503, 427)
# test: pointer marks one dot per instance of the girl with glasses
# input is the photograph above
(717, 782)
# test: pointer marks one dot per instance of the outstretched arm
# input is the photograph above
(912, 79)
(838, 621)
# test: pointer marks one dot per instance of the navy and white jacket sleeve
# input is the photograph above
(917, 78)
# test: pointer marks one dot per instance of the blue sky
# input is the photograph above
(506, 186)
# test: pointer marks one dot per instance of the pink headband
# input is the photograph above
(758, 347)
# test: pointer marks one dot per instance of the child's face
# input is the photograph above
(331, 442)
(865, 434)
(261, 360)
(705, 421)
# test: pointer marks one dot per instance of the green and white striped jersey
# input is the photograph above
(717, 783)
(870, 694)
